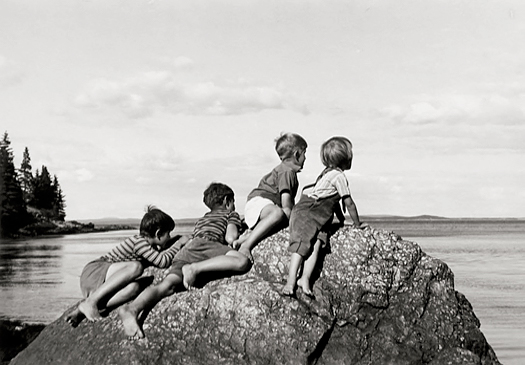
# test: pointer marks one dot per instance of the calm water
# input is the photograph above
(39, 277)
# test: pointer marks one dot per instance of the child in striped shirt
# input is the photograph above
(311, 217)
(207, 251)
(113, 279)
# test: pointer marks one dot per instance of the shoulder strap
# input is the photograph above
(324, 172)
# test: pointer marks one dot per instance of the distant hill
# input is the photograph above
(134, 222)
(399, 217)
(110, 221)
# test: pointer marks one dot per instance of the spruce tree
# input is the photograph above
(44, 192)
(59, 206)
(26, 177)
(13, 213)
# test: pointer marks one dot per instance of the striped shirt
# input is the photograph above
(213, 224)
(137, 248)
(331, 182)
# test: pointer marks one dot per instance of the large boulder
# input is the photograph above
(378, 300)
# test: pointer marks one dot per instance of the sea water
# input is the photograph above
(39, 277)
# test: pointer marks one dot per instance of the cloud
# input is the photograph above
(182, 63)
(171, 92)
(78, 175)
(491, 109)
(9, 73)
(460, 123)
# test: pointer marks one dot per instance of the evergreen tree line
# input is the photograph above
(26, 198)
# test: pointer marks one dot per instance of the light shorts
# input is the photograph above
(253, 209)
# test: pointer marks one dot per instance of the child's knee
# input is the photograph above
(243, 263)
(136, 268)
(277, 214)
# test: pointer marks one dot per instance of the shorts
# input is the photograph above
(253, 209)
(93, 276)
(198, 249)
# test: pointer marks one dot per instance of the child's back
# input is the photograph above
(269, 206)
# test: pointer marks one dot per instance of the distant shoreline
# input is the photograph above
(367, 218)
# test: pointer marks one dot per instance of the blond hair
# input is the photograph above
(287, 144)
(336, 151)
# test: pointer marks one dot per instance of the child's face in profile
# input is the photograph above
(230, 205)
(301, 158)
(163, 239)
(348, 164)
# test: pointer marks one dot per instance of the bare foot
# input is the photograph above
(305, 285)
(130, 323)
(238, 242)
(188, 276)
(289, 289)
(90, 310)
(246, 252)
(75, 317)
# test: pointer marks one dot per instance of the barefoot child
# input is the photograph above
(111, 280)
(314, 212)
(269, 206)
(207, 251)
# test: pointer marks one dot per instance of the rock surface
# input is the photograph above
(378, 300)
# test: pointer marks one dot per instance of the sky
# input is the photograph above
(136, 102)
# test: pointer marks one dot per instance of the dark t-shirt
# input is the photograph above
(282, 179)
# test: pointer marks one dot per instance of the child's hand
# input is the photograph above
(361, 225)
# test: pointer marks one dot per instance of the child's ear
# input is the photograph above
(157, 233)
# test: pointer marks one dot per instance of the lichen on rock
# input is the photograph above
(378, 300)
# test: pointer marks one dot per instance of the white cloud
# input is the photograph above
(166, 92)
(461, 109)
(78, 175)
(182, 63)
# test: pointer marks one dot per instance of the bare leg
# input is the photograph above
(119, 275)
(295, 264)
(272, 218)
(231, 261)
(308, 269)
(129, 313)
(129, 292)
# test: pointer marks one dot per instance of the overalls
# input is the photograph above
(309, 218)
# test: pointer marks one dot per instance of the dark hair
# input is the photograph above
(155, 220)
(215, 193)
(336, 151)
(287, 144)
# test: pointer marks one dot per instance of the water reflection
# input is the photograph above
(39, 277)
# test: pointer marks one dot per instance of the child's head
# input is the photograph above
(337, 152)
(290, 145)
(218, 194)
(156, 223)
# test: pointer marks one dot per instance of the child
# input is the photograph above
(111, 280)
(269, 206)
(314, 212)
(207, 251)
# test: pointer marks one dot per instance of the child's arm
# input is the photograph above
(287, 204)
(160, 259)
(352, 210)
(339, 214)
(232, 233)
